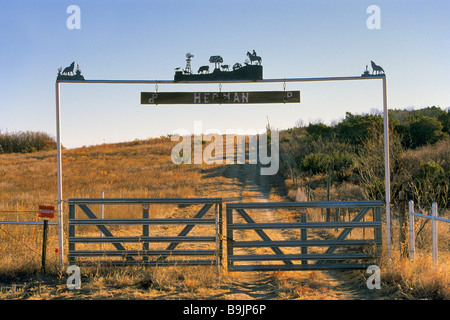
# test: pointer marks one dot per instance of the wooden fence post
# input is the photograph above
(44, 244)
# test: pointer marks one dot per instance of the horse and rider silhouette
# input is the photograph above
(254, 57)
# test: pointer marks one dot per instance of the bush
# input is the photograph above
(316, 163)
(343, 165)
(431, 184)
(354, 128)
(319, 130)
(26, 142)
(426, 130)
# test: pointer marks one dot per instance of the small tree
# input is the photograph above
(426, 130)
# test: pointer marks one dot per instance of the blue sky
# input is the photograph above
(146, 40)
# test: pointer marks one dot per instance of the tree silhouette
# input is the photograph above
(217, 60)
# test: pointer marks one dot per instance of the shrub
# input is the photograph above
(426, 130)
(319, 129)
(316, 163)
(25, 142)
(343, 165)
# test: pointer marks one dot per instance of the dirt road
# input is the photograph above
(243, 183)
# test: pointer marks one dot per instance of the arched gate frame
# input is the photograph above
(284, 80)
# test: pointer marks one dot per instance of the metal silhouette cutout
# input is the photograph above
(376, 70)
(252, 70)
(68, 74)
(254, 57)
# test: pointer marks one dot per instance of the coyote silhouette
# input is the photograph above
(69, 69)
(376, 68)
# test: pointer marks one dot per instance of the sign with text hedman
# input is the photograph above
(220, 97)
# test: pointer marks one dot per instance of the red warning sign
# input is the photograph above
(46, 211)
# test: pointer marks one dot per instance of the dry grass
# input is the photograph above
(416, 279)
(118, 170)
(145, 169)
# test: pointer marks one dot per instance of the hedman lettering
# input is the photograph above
(226, 97)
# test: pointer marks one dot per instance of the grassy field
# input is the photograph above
(144, 169)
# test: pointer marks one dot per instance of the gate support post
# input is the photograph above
(387, 174)
(59, 175)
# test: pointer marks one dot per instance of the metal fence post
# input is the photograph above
(71, 232)
(412, 248)
(217, 225)
(145, 230)
(101, 217)
(304, 236)
(434, 232)
(229, 222)
(377, 217)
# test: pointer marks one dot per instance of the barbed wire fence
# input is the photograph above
(21, 236)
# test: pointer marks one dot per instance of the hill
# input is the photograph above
(144, 168)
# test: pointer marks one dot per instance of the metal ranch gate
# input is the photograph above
(146, 255)
(291, 253)
(328, 259)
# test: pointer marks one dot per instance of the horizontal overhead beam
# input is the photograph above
(227, 81)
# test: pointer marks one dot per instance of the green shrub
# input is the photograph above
(316, 163)
(426, 130)
(26, 142)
